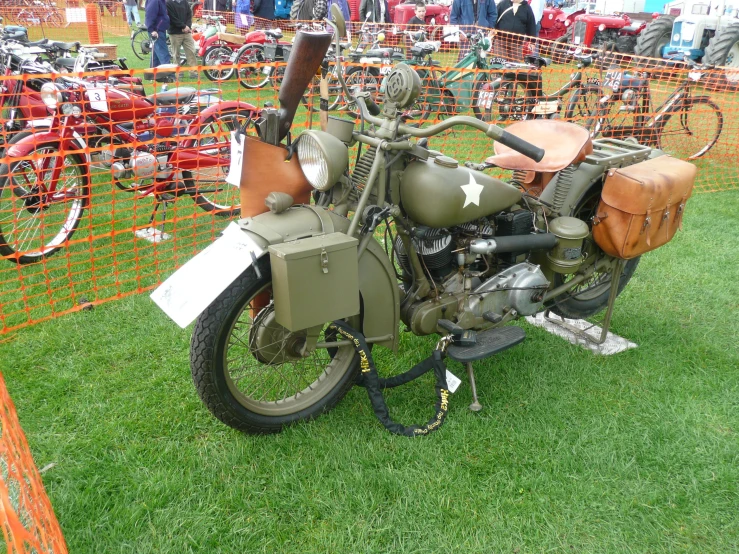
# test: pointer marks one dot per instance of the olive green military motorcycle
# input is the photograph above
(464, 253)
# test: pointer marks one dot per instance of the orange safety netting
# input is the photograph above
(26, 515)
(138, 186)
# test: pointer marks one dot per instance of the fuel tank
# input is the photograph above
(438, 193)
(122, 106)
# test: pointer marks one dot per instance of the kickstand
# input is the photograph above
(475, 406)
(616, 273)
(151, 233)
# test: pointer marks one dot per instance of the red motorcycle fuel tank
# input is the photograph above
(121, 106)
(255, 36)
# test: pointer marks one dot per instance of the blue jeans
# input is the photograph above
(132, 13)
(159, 50)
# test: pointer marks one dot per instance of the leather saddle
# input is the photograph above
(564, 144)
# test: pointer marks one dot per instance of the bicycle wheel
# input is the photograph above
(36, 221)
(693, 131)
(584, 109)
(364, 78)
(311, 100)
(208, 185)
(141, 44)
(218, 56)
(252, 76)
(54, 19)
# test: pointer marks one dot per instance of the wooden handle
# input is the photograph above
(306, 56)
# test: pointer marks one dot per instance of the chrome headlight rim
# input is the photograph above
(51, 95)
(323, 159)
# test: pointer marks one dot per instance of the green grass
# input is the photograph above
(636, 452)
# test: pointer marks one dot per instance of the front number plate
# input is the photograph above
(194, 287)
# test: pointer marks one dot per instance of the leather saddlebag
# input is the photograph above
(642, 206)
(266, 169)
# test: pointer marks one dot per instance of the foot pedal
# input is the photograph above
(488, 343)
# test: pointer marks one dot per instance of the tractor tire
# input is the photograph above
(657, 34)
(723, 50)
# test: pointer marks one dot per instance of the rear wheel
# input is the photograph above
(208, 185)
(141, 44)
(590, 297)
(483, 100)
(693, 131)
(364, 78)
(253, 374)
(723, 50)
(584, 109)
(253, 76)
(36, 220)
(218, 56)
(654, 37)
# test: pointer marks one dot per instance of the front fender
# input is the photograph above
(28, 144)
(218, 110)
(377, 281)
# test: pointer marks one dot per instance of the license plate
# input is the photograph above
(486, 99)
(266, 70)
(613, 79)
(385, 68)
(593, 81)
(577, 40)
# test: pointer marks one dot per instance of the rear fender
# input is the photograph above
(27, 145)
(377, 281)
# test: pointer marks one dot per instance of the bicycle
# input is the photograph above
(625, 110)
(40, 13)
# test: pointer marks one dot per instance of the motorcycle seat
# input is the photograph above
(177, 95)
(564, 144)
(14, 35)
(65, 46)
(274, 33)
(166, 73)
(66, 63)
(378, 53)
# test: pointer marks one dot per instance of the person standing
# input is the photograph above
(419, 16)
(376, 10)
(180, 32)
(264, 10)
(242, 15)
(157, 23)
(517, 18)
(132, 14)
(537, 6)
(465, 13)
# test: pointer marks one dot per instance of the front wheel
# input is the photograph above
(483, 100)
(366, 79)
(590, 297)
(218, 56)
(584, 108)
(256, 376)
(252, 76)
(41, 203)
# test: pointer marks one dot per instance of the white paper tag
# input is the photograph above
(195, 286)
(452, 381)
(245, 19)
(76, 15)
(98, 99)
(452, 31)
(237, 158)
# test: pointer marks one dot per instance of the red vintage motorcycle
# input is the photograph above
(161, 146)
(248, 49)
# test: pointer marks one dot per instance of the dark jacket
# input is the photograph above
(156, 18)
(375, 8)
(463, 13)
(180, 16)
(523, 22)
(264, 9)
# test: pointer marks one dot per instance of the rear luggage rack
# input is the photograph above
(610, 152)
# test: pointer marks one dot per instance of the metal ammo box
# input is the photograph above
(315, 280)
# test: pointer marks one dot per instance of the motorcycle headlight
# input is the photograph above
(323, 158)
(71, 109)
(51, 95)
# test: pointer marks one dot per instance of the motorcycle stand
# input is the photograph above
(151, 233)
(606, 324)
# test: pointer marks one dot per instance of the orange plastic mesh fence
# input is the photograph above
(26, 515)
(127, 188)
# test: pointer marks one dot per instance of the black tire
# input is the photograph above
(252, 77)
(208, 186)
(559, 49)
(19, 199)
(701, 121)
(368, 79)
(246, 308)
(656, 35)
(141, 44)
(584, 108)
(511, 102)
(215, 56)
(723, 50)
(590, 297)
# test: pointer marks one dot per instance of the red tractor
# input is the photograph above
(593, 31)
(437, 14)
(555, 21)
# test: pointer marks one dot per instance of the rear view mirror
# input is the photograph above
(338, 19)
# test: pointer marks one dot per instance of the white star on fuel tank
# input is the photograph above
(472, 192)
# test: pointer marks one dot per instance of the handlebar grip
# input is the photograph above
(372, 108)
(519, 145)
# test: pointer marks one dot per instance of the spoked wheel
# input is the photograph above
(253, 76)
(584, 108)
(590, 297)
(54, 19)
(510, 102)
(218, 56)
(483, 100)
(256, 376)
(207, 185)
(311, 100)
(693, 131)
(41, 203)
(366, 79)
(141, 44)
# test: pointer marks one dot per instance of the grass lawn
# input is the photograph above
(637, 452)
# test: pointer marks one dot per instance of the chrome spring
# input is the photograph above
(518, 176)
(562, 188)
(363, 167)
